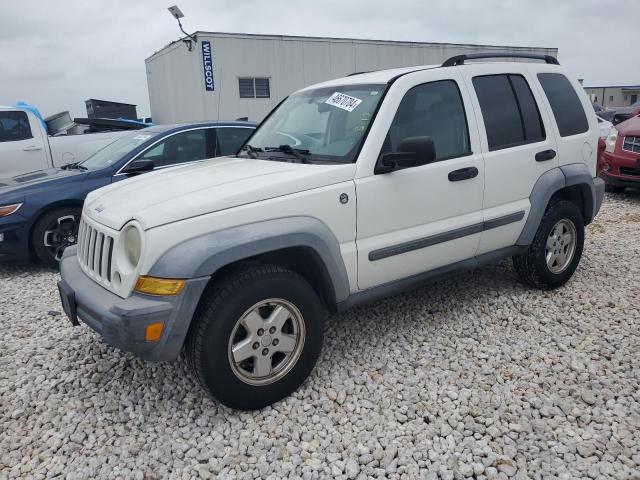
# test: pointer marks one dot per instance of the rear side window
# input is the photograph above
(511, 115)
(566, 106)
(14, 126)
(230, 139)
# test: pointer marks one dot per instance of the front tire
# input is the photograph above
(55, 231)
(255, 336)
(555, 252)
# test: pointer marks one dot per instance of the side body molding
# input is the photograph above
(204, 255)
(592, 193)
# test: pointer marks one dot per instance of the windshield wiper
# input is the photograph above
(251, 150)
(76, 165)
(300, 153)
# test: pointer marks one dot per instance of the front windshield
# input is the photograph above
(116, 150)
(324, 125)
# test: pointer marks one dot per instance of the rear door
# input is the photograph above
(22, 146)
(518, 145)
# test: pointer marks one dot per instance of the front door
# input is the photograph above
(21, 144)
(420, 218)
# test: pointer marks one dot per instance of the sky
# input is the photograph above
(57, 54)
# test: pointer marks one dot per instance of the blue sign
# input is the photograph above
(207, 67)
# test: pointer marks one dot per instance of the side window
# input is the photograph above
(14, 126)
(435, 110)
(182, 147)
(510, 113)
(565, 104)
(231, 139)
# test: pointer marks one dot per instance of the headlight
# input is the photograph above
(611, 140)
(6, 210)
(132, 245)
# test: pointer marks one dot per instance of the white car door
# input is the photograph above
(518, 144)
(22, 147)
(420, 218)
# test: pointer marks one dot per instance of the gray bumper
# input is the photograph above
(122, 321)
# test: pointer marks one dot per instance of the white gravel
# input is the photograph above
(476, 376)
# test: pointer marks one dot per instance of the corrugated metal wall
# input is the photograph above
(176, 83)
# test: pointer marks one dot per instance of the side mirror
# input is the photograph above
(139, 166)
(412, 152)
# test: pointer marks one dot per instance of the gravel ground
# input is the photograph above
(474, 377)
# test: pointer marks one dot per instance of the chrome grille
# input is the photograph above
(631, 144)
(95, 249)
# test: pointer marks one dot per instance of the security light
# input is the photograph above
(177, 14)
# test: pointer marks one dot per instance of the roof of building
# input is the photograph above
(109, 101)
(623, 87)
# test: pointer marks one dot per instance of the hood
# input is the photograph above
(187, 191)
(37, 179)
(629, 127)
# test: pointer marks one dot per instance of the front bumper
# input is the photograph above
(14, 234)
(122, 321)
(620, 180)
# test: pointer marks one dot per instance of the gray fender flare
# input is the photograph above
(551, 182)
(206, 254)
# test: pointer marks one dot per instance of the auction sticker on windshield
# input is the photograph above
(343, 101)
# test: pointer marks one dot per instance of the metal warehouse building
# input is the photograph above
(614, 95)
(226, 76)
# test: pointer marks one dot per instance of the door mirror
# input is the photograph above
(412, 152)
(138, 166)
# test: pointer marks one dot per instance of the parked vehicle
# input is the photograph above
(349, 191)
(624, 113)
(604, 127)
(26, 147)
(40, 211)
(604, 113)
(620, 161)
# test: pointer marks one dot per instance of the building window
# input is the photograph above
(254, 87)
(611, 98)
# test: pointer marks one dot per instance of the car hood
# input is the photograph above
(629, 127)
(187, 191)
(37, 179)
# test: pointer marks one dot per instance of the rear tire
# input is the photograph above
(55, 231)
(256, 336)
(555, 252)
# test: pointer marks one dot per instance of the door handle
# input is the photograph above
(463, 174)
(31, 148)
(545, 155)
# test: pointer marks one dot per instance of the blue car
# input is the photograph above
(40, 211)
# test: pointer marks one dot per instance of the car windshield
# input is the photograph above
(317, 126)
(116, 150)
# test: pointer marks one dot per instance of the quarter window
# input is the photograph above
(434, 110)
(14, 126)
(254, 87)
(565, 104)
(509, 110)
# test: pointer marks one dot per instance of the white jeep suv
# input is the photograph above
(350, 190)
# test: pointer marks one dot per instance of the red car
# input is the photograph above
(619, 164)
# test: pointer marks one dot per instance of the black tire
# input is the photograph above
(60, 227)
(532, 267)
(207, 347)
(613, 188)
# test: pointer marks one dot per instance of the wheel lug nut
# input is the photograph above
(256, 346)
(272, 330)
(275, 342)
(265, 351)
(260, 331)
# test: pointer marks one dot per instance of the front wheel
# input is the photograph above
(555, 252)
(256, 336)
(55, 231)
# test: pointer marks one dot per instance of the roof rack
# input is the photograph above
(358, 73)
(459, 59)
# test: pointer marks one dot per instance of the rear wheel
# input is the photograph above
(256, 336)
(55, 231)
(555, 252)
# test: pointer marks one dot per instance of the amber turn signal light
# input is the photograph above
(154, 331)
(159, 286)
(6, 210)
